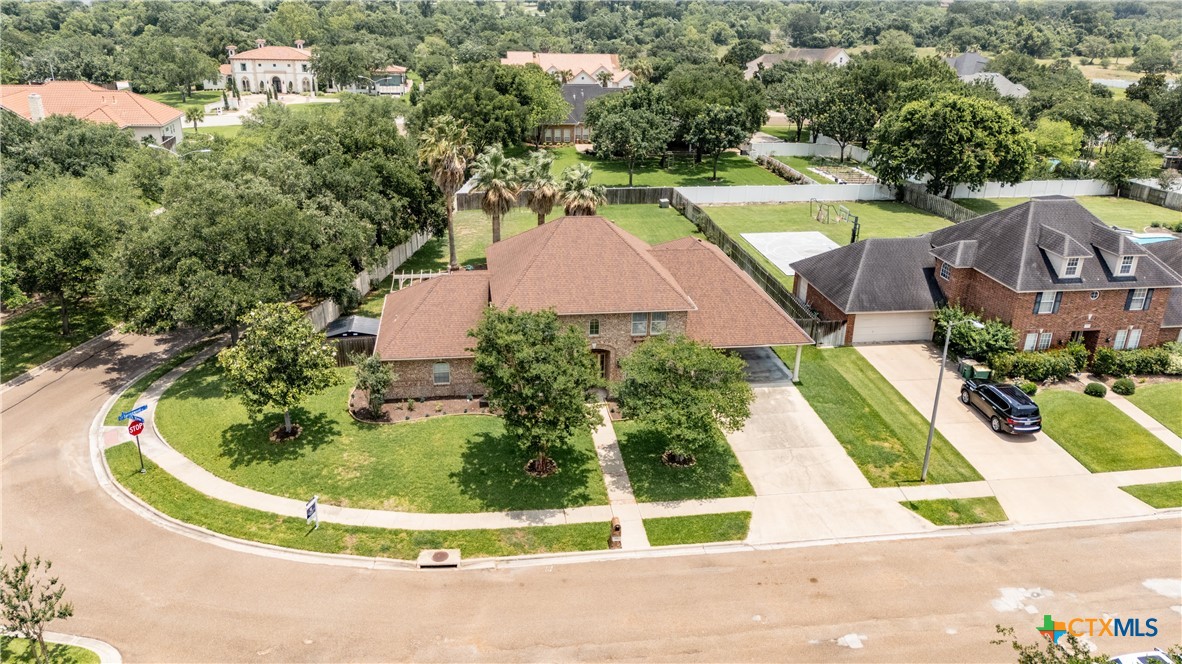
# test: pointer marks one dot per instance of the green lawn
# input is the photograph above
(733, 169)
(227, 131)
(877, 219)
(176, 499)
(787, 133)
(958, 511)
(1100, 436)
(127, 400)
(474, 233)
(35, 336)
(1163, 402)
(1160, 496)
(883, 434)
(457, 463)
(15, 650)
(802, 164)
(1134, 215)
(197, 98)
(717, 473)
(698, 529)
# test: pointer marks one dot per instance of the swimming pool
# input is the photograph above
(1152, 239)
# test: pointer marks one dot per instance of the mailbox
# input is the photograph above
(614, 540)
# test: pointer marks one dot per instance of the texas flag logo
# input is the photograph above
(1051, 629)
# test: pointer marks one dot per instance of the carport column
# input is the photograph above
(796, 366)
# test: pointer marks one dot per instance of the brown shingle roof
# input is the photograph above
(86, 101)
(733, 312)
(581, 265)
(430, 320)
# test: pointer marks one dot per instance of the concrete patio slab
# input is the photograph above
(784, 249)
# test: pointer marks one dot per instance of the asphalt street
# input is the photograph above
(163, 597)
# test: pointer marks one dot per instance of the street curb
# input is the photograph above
(59, 360)
(108, 654)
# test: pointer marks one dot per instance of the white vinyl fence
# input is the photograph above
(824, 147)
(788, 193)
(1037, 188)
(328, 311)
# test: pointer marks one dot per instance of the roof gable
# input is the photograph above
(430, 319)
(876, 275)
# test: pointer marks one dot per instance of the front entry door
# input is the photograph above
(601, 357)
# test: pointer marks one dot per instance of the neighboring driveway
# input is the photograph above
(1034, 478)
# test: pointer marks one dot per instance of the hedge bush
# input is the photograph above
(1040, 366)
(1139, 361)
(1095, 390)
(967, 340)
(1124, 387)
(1028, 387)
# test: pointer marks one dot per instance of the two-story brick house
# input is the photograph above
(1048, 267)
(602, 280)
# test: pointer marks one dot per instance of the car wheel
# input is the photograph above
(964, 397)
(995, 423)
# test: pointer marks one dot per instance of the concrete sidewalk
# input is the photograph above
(619, 487)
(1146, 420)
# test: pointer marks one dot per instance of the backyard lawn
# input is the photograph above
(16, 650)
(733, 169)
(456, 463)
(877, 219)
(197, 98)
(1163, 402)
(226, 131)
(958, 511)
(883, 434)
(717, 473)
(34, 336)
(698, 529)
(474, 233)
(1099, 436)
(176, 499)
(1134, 215)
(787, 133)
(1161, 496)
(802, 165)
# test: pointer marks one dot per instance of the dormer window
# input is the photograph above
(1126, 266)
(1071, 268)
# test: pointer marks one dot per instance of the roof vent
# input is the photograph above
(36, 108)
(439, 558)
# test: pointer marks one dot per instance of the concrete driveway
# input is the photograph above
(1035, 480)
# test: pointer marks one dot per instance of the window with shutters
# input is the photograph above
(1046, 302)
(1138, 301)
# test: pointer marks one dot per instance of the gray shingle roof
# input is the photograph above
(1003, 85)
(967, 64)
(353, 326)
(876, 275)
(1061, 244)
(957, 254)
(1170, 253)
(578, 95)
(1008, 248)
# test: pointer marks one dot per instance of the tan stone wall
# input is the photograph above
(615, 335)
(415, 380)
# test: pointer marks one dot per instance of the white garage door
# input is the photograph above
(878, 328)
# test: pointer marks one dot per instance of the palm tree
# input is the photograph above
(564, 76)
(604, 77)
(539, 181)
(579, 197)
(445, 151)
(194, 114)
(499, 177)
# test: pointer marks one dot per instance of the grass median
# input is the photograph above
(958, 511)
(698, 529)
(883, 434)
(16, 650)
(1161, 496)
(170, 496)
(1099, 435)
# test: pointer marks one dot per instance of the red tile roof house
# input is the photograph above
(1047, 267)
(616, 288)
(145, 117)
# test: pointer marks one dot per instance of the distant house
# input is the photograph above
(967, 64)
(147, 119)
(611, 285)
(578, 68)
(1048, 268)
(830, 56)
(282, 69)
(1004, 86)
(389, 80)
(573, 130)
(218, 83)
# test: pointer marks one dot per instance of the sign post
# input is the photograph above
(131, 414)
(135, 428)
(313, 512)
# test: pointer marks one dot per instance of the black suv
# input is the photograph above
(1008, 408)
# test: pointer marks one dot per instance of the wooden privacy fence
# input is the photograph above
(347, 346)
(822, 331)
(915, 196)
(1154, 195)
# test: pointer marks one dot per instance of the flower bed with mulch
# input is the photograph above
(421, 409)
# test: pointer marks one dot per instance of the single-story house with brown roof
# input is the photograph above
(146, 118)
(616, 288)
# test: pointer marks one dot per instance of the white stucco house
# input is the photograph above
(146, 118)
(282, 69)
(390, 80)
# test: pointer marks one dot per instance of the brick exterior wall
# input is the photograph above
(990, 299)
(415, 378)
(829, 311)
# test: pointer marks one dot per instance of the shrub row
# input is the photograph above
(1040, 366)
(1166, 359)
(780, 168)
(1123, 387)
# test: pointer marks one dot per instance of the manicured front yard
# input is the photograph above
(698, 529)
(176, 499)
(733, 169)
(717, 473)
(1163, 402)
(459, 463)
(197, 98)
(877, 219)
(34, 336)
(132, 394)
(1130, 214)
(226, 131)
(1100, 436)
(883, 434)
(15, 650)
(958, 511)
(1161, 496)
(474, 233)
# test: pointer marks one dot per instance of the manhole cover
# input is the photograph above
(439, 556)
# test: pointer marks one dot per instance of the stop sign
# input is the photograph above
(136, 427)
